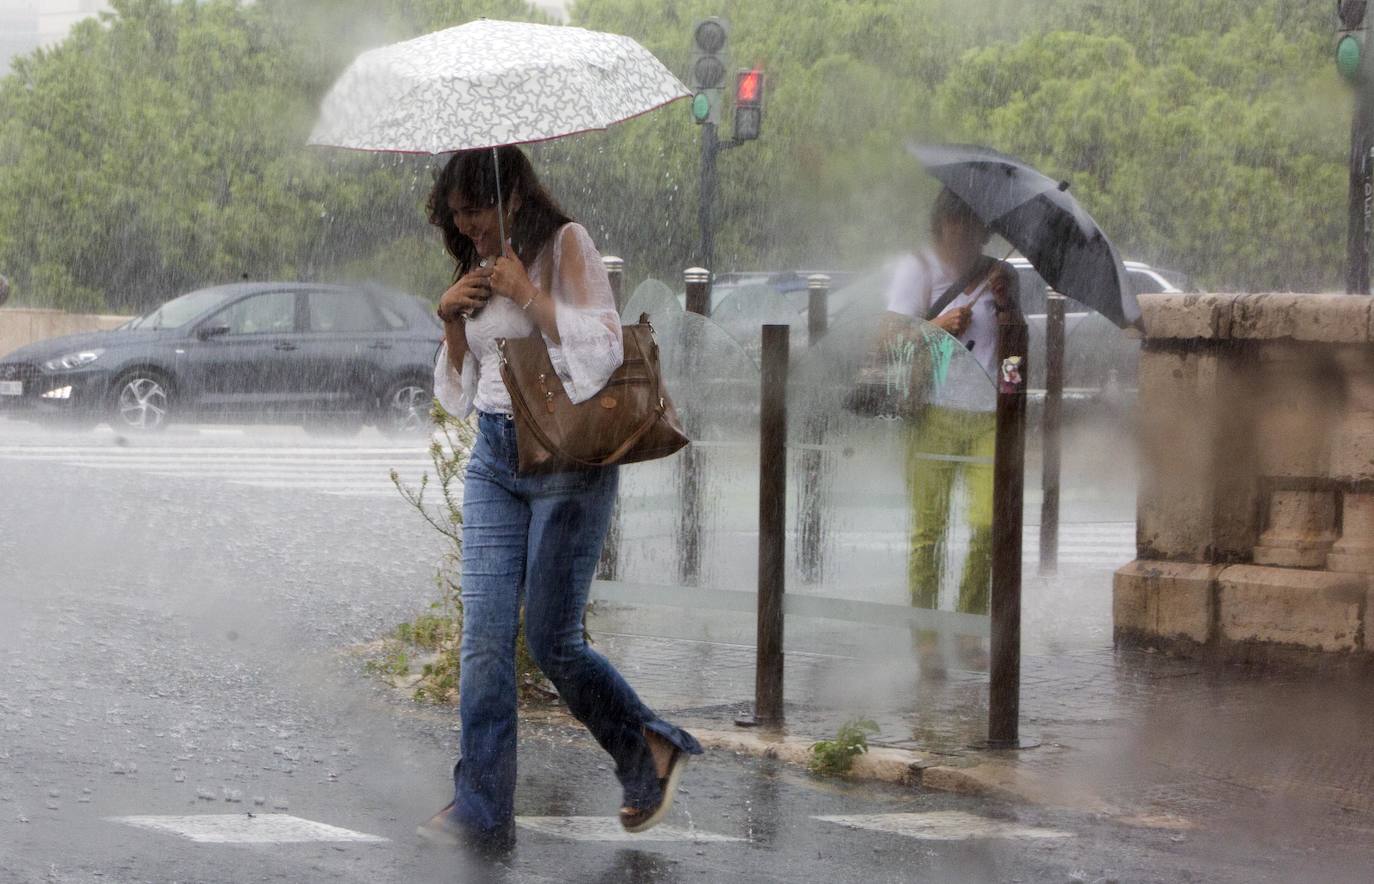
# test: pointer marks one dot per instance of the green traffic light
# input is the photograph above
(701, 107)
(1348, 52)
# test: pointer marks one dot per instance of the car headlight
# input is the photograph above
(73, 360)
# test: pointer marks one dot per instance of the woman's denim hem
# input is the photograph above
(675, 735)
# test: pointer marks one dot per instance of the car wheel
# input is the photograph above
(405, 409)
(142, 402)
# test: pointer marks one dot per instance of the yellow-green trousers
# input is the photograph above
(936, 434)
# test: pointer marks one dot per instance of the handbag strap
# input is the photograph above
(982, 266)
(517, 397)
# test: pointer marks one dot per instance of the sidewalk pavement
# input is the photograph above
(1137, 737)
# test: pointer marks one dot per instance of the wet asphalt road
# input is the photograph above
(179, 645)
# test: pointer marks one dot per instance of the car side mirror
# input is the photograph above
(206, 332)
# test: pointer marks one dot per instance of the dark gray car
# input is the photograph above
(326, 356)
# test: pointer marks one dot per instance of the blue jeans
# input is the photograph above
(538, 537)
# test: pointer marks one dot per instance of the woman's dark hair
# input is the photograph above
(950, 209)
(472, 174)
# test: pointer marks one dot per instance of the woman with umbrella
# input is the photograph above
(946, 284)
(538, 535)
(523, 267)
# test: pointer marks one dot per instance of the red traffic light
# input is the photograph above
(749, 87)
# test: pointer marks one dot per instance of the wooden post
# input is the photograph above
(1004, 689)
(1051, 420)
(768, 678)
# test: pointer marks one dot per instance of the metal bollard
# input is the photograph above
(1004, 688)
(817, 306)
(608, 568)
(1050, 433)
(768, 676)
(812, 460)
(698, 283)
(615, 272)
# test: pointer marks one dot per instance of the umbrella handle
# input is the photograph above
(500, 204)
(978, 297)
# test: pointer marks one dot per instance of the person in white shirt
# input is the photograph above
(953, 435)
(530, 538)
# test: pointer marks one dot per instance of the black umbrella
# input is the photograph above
(1038, 216)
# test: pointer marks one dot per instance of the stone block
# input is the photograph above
(1333, 319)
(1317, 610)
(1165, 599)
(1175, 317)
(1301, 529)
(1354, 552)
(1352, 442)
(1198, 485)
(1297, 406)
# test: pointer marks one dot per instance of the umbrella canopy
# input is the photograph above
(1038, 216)
(489, 83)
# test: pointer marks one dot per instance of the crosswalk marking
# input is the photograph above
(363, 472)
(246, 828)
(601, 828)
(947, 825)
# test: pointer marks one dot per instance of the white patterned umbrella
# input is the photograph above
(489, 83)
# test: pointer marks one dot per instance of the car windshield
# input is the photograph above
(179, 311)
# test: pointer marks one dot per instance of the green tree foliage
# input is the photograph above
(162, 147)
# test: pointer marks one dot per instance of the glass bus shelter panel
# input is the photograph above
(652, 297)
(744, 312)
(891, 433)
(691, 520)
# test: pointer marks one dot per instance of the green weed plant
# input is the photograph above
(835, 757)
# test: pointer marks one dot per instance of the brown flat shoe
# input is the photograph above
(641, 819)
(441, 829)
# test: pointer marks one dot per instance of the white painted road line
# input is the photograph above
(604, 828)
(949, 825)
(244, 828)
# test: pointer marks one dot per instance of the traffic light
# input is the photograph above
(708, 68)
(1350, 38)
(749, 104)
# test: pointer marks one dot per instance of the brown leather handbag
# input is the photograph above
(631, 419)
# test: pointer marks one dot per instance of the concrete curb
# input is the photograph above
(879, 763)
(988, 776)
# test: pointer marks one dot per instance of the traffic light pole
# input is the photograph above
(1361, 222)
(710, 146)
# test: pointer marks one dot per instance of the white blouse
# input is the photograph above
(588, 326)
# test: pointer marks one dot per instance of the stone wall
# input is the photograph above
(24, 325)
(1255, 535)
